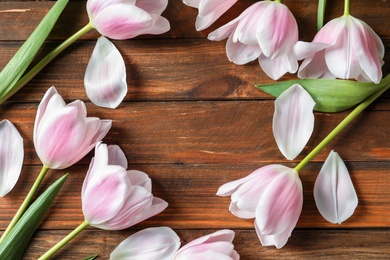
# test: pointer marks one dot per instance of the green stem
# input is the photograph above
(49, 57)
(346, 7)
(278, 1)
(64, 241)
(340, 127)
(26, 202)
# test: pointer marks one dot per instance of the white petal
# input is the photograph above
(159, 243)
(105, 77)
(293, 120)
(334, 193)
(240, 53)
(210, 11)
(11, 156)
(275, 68)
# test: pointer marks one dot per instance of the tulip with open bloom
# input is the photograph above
(273, 196)
(11, 156)
(162, 243)
(112, 197)
(345, 48)
(333, 191)
(63, 134)
(126, 19)
(266, 31)
(209, 11)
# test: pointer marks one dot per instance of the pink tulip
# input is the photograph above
(159, 243)
(63, 134)
(217, 245)
(345, 48)
(114, 198)
(273, 196)
(209, 11)
(266, 31)
(125, 19)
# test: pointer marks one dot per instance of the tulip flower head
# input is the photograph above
(125, 19)
(11, 156)
(273, 196)
(217, 245)
(63, 134)
(345, 48)
(159, 243)
(209, 11)
(334, 193)
(114, 198)
(266, 31)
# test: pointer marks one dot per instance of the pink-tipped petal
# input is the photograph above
(105, 76)
(293, 120)
(160, 243)
(334, 193)
(152, 6)
(11, 156)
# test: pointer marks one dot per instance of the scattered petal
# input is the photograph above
(11, 156)
(293, 120)
(105, 77)
(334, 193)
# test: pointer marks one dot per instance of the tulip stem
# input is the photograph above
(26, 202)
(49, 57)
(365, 103)
(346, 7)
(64, 241)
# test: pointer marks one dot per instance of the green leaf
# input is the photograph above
(91, 257)
(320, 13)
(330, 95)
(15, 68)
(14, 245)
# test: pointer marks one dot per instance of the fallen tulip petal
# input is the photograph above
(160, 243)
(105, 77)
(11, 156)
(334, 193)
(293, 120)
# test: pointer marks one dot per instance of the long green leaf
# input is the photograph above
(330, 95)
(14, 245)
(15, 68)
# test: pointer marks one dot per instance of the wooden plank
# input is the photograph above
(190, 191)
(156, 70)
(216, 132)
(304, 244)
(19, 25)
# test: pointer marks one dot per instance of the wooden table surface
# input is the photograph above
(193, 121)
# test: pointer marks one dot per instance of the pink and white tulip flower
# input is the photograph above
(11, 156)
(209, 11)
(273, 196)
(266, 31)
(334, 193)
(159, 243)
(293, 120)
(217, 245)
(63, 134)
(345, 48)
(125, 19)
(114, 198)
(105, 77)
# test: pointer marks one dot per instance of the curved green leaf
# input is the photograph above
(330, 95)
(15, 68)
(320, 13)
(13, 245)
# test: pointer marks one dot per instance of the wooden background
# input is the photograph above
(193, 121)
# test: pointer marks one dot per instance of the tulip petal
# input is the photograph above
(152, 6)
(116, 156)
(160, 243)
(105, 77)
(334, 193)
(11, 156)
(293, 120)
(210, 11)
(240, 53)
(192, 3)
(275, 68)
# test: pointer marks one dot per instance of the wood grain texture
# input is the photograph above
(193, 121)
